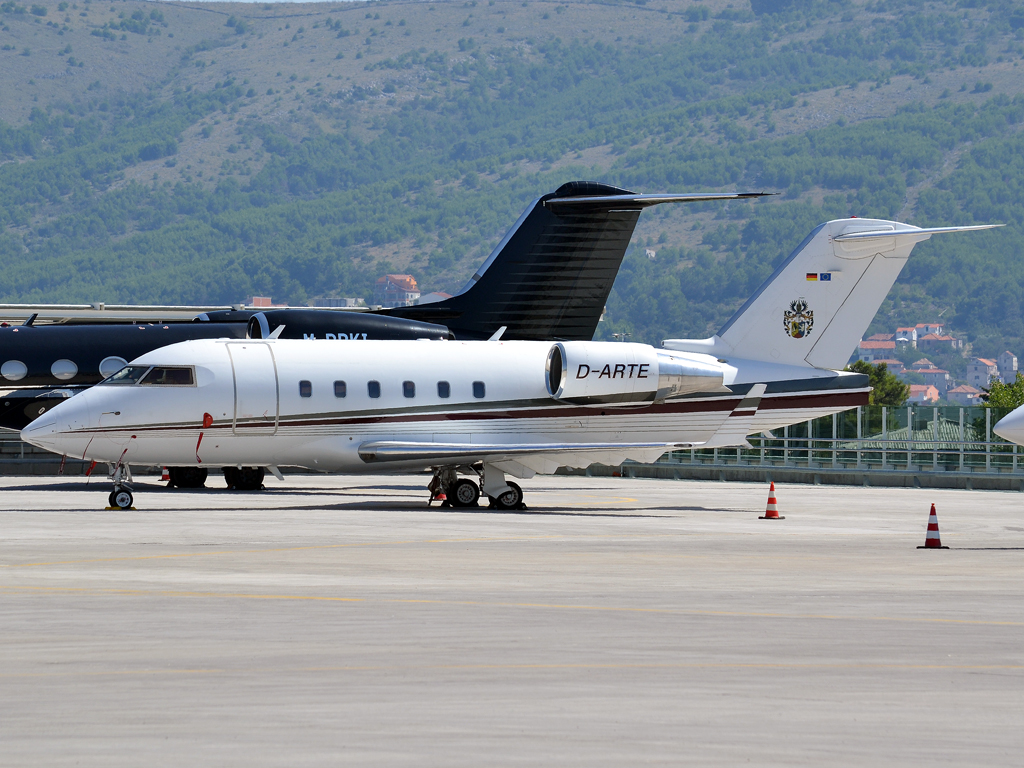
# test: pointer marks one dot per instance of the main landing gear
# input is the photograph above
(244, 478)
(452, 491)
(187, 477)
(237, 478)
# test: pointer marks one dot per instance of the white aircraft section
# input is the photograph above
(1011, 426)
(499, 408)
(826, 293)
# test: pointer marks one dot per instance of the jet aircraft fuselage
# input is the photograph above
(409, 405)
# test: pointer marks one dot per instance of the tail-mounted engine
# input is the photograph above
(610, 373)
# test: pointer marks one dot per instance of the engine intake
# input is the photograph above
(612, 373)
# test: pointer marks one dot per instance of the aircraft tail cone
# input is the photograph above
(772, 511)
(931, 539)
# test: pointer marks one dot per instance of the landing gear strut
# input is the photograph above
(121, 497)
(454, 491)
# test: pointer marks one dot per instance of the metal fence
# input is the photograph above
(915, 439)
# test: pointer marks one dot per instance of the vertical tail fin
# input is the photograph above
(817, 305)
(550, 276)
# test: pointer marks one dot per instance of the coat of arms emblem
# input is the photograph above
(798, 319)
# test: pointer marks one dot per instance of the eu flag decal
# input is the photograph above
(825, 277)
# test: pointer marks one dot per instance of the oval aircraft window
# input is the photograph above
(373, 388)
(340, 389)
(409, 388)
(14, 370)
(479, 389)
(444, 389)
(305, 389)
(64, 369)
(111, 365)
(169, 377)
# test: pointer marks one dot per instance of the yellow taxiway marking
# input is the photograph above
(93, 591)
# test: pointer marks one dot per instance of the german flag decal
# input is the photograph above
(812, 276)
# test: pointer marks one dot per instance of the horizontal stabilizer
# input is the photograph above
(915, 232)
(646, 201)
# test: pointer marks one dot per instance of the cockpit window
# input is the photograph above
(161, 376)
(130, 374)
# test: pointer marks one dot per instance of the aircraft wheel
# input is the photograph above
(111, 499)
(244, 479)
(188, 477)
(464, 493)
(122, 498)
(510, 499)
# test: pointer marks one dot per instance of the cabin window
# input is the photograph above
(479, 390)
(409, 388)
(130, 374)
(305, 389)
(373, 388)
(444, 389)
(340, 389)
(161, 376)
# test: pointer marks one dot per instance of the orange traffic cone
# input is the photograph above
(772, 511)
(931, 539)
(165, 476)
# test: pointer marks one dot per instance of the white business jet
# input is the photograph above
(488, 409)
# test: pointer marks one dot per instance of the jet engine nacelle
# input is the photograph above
(610, 373)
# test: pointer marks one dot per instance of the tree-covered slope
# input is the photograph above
(302, 150)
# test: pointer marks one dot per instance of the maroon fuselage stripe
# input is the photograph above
(830, 400)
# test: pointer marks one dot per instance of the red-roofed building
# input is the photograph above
(935, 341)
(924, 362)
(981, 371)
(906, 336)
(882, 337)
(923, 393)
(264, 302)
(869, 351)
(1007, 363)
(396, 291)
(965, 395)
(924, 329)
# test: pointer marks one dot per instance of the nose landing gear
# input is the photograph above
(121, 497)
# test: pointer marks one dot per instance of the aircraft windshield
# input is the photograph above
(168, 377)
(130, 374)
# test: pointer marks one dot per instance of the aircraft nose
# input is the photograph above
(1011, 427)
(42, 432)
(55, 429)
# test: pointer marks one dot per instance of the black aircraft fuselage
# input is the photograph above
(49, 363)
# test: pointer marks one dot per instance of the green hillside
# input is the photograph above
(168, 152)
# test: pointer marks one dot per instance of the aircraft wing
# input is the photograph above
(534, 457)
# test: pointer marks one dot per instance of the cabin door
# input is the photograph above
(257, 397)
